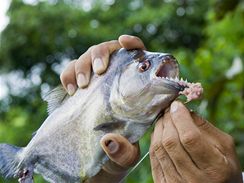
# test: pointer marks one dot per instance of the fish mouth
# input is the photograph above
(167, 76)
(168, 68)
(168, 73)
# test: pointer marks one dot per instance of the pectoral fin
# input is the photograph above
(55, 98)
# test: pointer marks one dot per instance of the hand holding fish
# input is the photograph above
(122, 155)
(184, 147)
(78, 72)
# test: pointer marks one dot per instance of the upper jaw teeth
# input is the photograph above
(176, 79)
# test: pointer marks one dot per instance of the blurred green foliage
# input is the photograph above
(206, 37)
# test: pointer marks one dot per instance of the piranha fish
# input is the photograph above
(126, 100)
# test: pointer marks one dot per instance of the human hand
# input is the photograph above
(186, 148)
(122, 155)
(77, 73)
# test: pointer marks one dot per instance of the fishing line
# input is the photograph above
(134, 167)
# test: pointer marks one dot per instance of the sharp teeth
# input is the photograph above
(166, 78)
(177, 79)
(181, 79)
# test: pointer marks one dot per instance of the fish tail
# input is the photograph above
(8, 160)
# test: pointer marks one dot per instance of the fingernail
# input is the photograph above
(174, 107)
(112, 146)
(70, 89)
(81, 80)
(98, 65)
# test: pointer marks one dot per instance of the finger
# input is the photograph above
(131, 42)
(83, 69)
(68, 78)
(157, 172)
(120, 150)
(169, 170)
(202, 151)
(100, 55)
(180, 158)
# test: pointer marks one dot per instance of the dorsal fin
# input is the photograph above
(55, 98)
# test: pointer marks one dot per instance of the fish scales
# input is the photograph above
(126, 100)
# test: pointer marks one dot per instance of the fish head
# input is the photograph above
(146, 83)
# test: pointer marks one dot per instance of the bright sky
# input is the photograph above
(4, 4)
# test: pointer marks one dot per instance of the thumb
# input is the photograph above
(120, 150)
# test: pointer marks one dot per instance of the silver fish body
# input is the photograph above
(127, 99)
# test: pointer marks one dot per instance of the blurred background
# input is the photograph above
(39, 37)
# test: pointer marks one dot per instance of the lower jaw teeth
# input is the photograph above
(176, 79)
(191, 90)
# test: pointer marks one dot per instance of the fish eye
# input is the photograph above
(143, 66)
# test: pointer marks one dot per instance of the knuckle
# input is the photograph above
(159, 151)
(155, 147)
(113, 42)
(230, 141)
(170, 143)
(92, 48)
(110, 44)
(64, 78)
(79, 65)
(204, 125)
(89, 50)
(100, 50)
(190, 138)
(218, 175)
(65, 75)
(103, 46)
(70, 65)
(82, 65)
